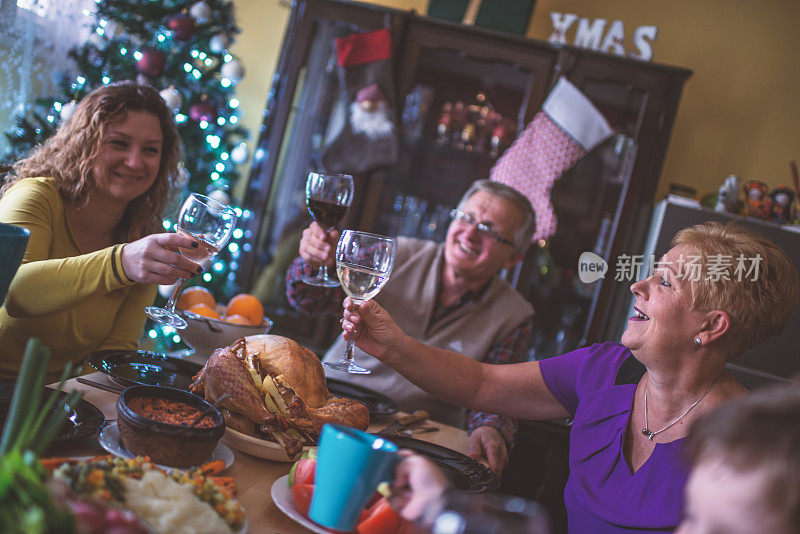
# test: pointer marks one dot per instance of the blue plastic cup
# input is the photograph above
(13, 242)
(350, 465)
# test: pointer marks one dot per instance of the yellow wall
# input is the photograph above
(740, 111)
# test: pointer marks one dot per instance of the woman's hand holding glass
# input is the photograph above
(371, 328)
(210, 224)
(363, 263)
(153, 259)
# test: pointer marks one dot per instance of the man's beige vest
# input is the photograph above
(409, 296)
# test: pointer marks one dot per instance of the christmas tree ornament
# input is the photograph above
(182, 27)
(568, 126)
(232, 70)
(172, 98)
(240, 154)
(362, 134)
(94, 56)
(203, 111)
(220, 196)
(67, 110)
(152, 63)
(112, 30)
(98, 41)
(219, 43)
(200, 12)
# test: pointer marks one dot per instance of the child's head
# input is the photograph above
(746, 466)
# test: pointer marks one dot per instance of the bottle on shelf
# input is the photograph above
(444, 126)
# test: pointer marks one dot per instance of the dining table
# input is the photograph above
(253, 476)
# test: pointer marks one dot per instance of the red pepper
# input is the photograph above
(301, 495)
(303, 471)
(381, 519)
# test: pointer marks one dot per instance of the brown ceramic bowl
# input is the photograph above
(167, 444)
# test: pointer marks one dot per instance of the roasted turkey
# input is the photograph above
(276, 391)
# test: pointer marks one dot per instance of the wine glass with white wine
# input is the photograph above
(210, 223)
(363, 263)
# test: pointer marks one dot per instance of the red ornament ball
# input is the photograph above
(181, 26)
(152, 62)
(203, 111)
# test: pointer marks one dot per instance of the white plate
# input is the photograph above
(109, 440)
(282, 497)
(261, 448)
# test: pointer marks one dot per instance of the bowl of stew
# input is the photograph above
(155, 421)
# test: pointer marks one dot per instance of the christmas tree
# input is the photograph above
(180, 48)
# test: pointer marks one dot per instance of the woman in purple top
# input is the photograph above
(632, 403)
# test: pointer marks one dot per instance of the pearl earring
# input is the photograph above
(698, 341)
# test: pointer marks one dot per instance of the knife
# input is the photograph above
(406, 421)
(107, 387)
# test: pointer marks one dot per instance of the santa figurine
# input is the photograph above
(369, 113)
(780, 208)
(756, 199)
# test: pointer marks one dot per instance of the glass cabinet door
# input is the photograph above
(287, 154)
(463, 100)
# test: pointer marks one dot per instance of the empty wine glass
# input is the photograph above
(328, 195)
(363, 263)
(210, 223)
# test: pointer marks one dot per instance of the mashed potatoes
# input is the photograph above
(170, 507)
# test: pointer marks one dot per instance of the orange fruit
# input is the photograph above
(247, 305)
(196, 295)
(202, 309)
(237, 319)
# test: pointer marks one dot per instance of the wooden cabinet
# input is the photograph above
(602, 204)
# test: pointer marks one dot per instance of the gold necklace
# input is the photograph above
(650, 434)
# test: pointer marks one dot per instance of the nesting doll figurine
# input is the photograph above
(756, 199)
(780, 206)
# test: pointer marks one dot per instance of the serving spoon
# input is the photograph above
(209, 409)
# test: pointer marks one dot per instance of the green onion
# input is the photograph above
(30, 427)
(25, 401)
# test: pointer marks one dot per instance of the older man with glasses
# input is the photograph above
(447, 295)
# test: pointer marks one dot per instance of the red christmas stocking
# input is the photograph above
(362, 134)
(567, 127)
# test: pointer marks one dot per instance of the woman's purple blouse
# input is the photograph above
(602, 494)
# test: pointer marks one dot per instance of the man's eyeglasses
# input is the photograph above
(465, 218)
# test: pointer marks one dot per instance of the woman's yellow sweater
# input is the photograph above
(75, 303)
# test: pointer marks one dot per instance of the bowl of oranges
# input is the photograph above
(212, 325)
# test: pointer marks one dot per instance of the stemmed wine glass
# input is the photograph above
(363, 263)
(211, 224)
(328, 195)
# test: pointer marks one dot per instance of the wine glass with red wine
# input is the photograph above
(328, 195)
(211, 224)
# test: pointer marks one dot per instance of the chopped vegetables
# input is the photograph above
(104, 479)
(212, 468)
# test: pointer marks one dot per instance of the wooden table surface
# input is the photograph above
(254, 476)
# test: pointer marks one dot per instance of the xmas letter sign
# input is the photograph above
(594, 35)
